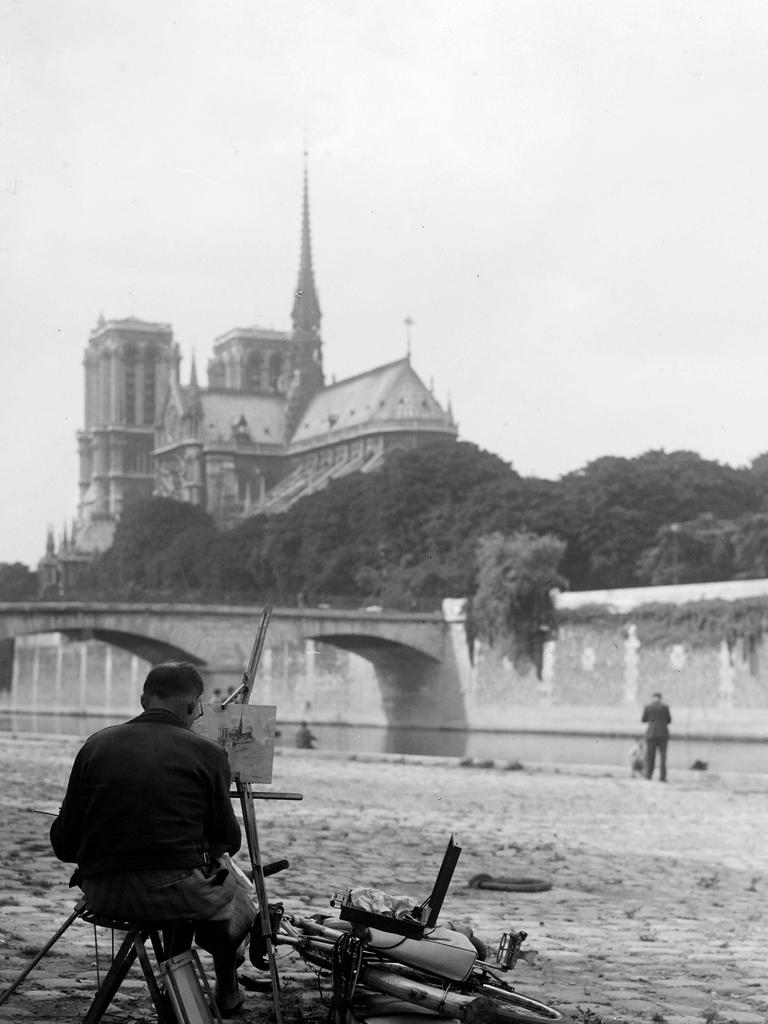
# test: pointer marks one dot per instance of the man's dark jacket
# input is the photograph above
(658, 718)
(146, 794)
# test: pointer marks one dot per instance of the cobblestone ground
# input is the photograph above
(658, 908)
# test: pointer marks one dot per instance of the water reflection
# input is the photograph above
(720, 755)
(553, 748)
(431, 742)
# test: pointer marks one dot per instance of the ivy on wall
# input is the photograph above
(697, 624)
(512, 606)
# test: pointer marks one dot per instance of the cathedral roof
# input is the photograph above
(387, 396)
(247, 334)
(259, 418)
(130, 323)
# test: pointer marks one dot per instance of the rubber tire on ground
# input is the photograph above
(514, 884)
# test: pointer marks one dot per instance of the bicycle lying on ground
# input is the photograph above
(382, 957)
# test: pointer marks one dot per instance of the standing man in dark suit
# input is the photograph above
(657, 715)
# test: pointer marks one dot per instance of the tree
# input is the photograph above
(750, 547)
(691, 552)
(149, 539)
(408, 533)
(403, 534)
(614, 508)
(17, 582)
(513, 603)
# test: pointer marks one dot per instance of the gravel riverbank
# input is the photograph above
(658, 908)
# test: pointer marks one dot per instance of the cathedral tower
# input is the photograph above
(128, 366)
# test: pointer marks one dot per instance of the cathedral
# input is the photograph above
(266, 431)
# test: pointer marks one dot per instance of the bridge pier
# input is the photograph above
(420, 694)
(416, 689)
(220, 680)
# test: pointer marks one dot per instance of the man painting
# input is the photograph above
(148, 820)
(658, 719)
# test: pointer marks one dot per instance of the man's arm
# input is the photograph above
(223, 831)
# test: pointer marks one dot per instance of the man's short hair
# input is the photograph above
(173, 679)
(656, 695)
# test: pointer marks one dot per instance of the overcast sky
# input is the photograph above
(567, 198)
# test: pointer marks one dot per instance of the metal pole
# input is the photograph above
(245, 794)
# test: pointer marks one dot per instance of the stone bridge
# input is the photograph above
(416, 657)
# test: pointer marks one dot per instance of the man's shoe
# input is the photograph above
(255, 984)
(257, 951)
(230, 1004)
(257, 947)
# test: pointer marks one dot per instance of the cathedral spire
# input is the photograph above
(306, 313)
(194, 405)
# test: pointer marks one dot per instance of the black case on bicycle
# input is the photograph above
(426, 913)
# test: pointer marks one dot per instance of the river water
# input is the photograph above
(527, 748)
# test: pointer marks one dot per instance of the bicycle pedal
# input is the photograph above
(254, 984)
(509, 951)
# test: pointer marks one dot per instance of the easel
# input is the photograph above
(246, 795)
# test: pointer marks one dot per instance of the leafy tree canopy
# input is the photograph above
(159, 544)
(407, 535)
(513, 604)
(17, 582)
(614, 508)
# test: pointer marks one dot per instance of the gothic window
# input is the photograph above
(253, 369)
(275, 370)
(130, 387)
(172, 431)
(245, 488)
(150, 387)
(137, 457)
(216, 373)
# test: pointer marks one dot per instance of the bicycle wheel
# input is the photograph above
(482, 1003)
(516, 1008)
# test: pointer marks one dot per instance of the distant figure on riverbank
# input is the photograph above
(637, 759)
(657, 715)
(305, 738)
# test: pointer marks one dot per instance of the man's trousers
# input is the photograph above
(652, 744)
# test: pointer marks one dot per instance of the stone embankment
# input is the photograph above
(658, 909)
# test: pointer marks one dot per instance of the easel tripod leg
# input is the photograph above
(163, 1009)
(249, 820)
(124, 957)
(39, 956)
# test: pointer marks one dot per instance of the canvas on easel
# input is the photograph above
(247, 734)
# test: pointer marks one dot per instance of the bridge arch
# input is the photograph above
(146, 647)
(410, 679)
